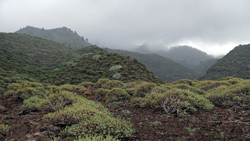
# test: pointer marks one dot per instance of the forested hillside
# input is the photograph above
(187, 56)
(235, 63)
(161, 66)
(51, 62)
(63, 35)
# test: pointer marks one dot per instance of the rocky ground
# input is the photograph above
(219, 124)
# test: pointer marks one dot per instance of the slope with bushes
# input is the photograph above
(64, 112)
(92, 63)
(29, 55)
(62, 35)
(161, 66)
(235, 64)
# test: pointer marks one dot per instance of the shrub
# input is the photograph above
(86, 84)
(117, 94)
(25, 90)
(68, 87)
(14, 86)
(143, 88)
(174, 100)
(86, 118)
(160, 89)
(96, 57)
(238, 95)
(100, 82)
(207, 85)
(34, 103)
(113, 84)
(130, 91)
(184, 81)
(115, 68)
(30, 84)
(116, 76)
(28, 92)
(101, 92)
(60, 100)
(187, 87)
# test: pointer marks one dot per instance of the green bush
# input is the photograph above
(35, 103)
(130, 91)
(61, 99)
(86, 118)
(184, 81)
(207, 85)
(101, 92)
(143, 88)
(238, 95)
(86, 84)
(116, 76)
(117, 94)
(96, 57)
(100, 82)
(188, 87)
(113, 84)
(115, 68)
(174, 101)
(68, 87)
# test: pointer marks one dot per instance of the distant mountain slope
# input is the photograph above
(204, 65)
(47, 61)
(184, 55)
(27, 54)
(62, 35)
(236, 63)
(161, 66)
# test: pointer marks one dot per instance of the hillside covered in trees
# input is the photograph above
(161, 66)
(63, 35)
(51, 62)
(235, 64)
(187, 56)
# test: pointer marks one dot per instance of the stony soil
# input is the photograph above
(219, 124)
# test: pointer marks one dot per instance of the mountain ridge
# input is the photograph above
(235, 64)
(62, 35)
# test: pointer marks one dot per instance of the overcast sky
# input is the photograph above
(213, 26)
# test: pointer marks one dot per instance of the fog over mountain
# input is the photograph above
(212, 26)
